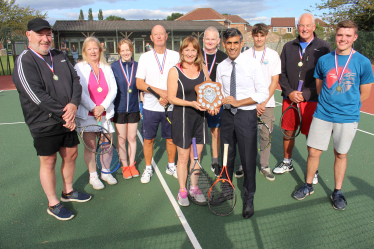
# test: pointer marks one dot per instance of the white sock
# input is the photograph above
(93, 174)
(286, 160)
(171, 165)
(105, 170)
(148, 167)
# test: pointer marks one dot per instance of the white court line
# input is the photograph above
(177, 209)
(12, 123)
(8, 90)
(360, 111)
(366, 132)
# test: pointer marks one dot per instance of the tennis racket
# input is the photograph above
(198, 181)
(263, 134)
(293, 108)
(108, 162)
(92, 136)
(168, 107)
(222, 195)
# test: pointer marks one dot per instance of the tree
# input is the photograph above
(81, 16)
(15, 18)
(100, 15)
(362, 11)
(320, 31)
(90, 16)
(174, 16)
(114, 18)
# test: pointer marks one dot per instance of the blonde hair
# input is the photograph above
(128, 42)
(85, 44)
(195, 43)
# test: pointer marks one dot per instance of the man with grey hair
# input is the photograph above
(213, 57)
(299, 58)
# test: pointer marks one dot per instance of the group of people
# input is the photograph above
(94, 91)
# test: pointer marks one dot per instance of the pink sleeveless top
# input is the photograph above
(96, 96)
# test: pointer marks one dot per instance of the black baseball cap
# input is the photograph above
(38, 24)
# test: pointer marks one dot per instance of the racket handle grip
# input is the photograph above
(225, 152)
(301, 82)
(195, 155)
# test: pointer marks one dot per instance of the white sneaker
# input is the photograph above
(96, 183)
(146, 176)
(196, 193)
(315, 179)
(283, 167)
(172, 171)
(108, 178)
(183, 199)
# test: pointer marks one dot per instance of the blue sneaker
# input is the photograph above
(75, 196)
(338, 200)
(303, 192)
(60, 212)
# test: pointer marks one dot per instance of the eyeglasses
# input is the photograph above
(303, 26)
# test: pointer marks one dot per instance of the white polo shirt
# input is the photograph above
(271, 66)
(149, 71)
(250, 80)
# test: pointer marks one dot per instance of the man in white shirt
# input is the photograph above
(271, 64)
(243, 86)
(153, 69)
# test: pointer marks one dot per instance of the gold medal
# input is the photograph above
(300, 64)
(55, 77)
(130, 91)
(99, 89)
(339, 88)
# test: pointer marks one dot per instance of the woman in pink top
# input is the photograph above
(99, 89)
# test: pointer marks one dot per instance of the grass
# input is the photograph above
(6, 66)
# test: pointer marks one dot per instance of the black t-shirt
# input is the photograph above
(220, 56)
(51, 129)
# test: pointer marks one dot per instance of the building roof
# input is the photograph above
(320, 22)
(235, 19)
(201, 14)
(133, 25)
(283, 22)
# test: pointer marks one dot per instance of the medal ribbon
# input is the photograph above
(206, 61)
(301, 53)
(50, 67)
(126, 76)
(263, 54)
(158, 62)
(345, 66)
(98, 73)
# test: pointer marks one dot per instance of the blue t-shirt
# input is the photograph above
(303, 46)
(341, 106)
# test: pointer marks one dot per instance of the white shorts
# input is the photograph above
(320, 134)
(107, 124)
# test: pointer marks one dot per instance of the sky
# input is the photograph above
(253, 11)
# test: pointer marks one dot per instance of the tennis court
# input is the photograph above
(135, 215)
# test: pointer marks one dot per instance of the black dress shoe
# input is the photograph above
(248, 210)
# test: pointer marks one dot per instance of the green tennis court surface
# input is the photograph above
(135, 215)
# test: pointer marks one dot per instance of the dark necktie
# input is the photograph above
(233, 110)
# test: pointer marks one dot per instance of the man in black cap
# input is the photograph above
(48, 86)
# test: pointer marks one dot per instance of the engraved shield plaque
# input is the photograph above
(209, 94)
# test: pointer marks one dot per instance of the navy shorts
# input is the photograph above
(46, 146)
(151, 120)
(214, 121)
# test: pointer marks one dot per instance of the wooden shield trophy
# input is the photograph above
(209, 94)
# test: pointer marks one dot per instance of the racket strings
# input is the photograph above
(291, 118)
(263, 136)
(108, 162)
(222, 198)
(198, 185)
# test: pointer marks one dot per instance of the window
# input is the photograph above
(289, 30)
(275, 30)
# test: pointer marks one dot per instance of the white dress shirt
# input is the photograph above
(250, 80)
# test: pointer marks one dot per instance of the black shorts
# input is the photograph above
(126, 118)
(46, 146)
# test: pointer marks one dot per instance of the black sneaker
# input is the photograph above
(303, 192)
(60, 212)
(216, 169)
(240, 172)
(75, 196)
(338, 200)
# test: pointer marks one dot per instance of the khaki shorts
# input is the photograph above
(320, 134)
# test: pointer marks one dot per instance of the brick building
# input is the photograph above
(283, 25)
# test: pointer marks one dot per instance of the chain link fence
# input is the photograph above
(11, 45)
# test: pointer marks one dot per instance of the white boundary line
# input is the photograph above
(177, 209)
(366, 132)
(12, 123)
(360, 111)
(8, 90)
